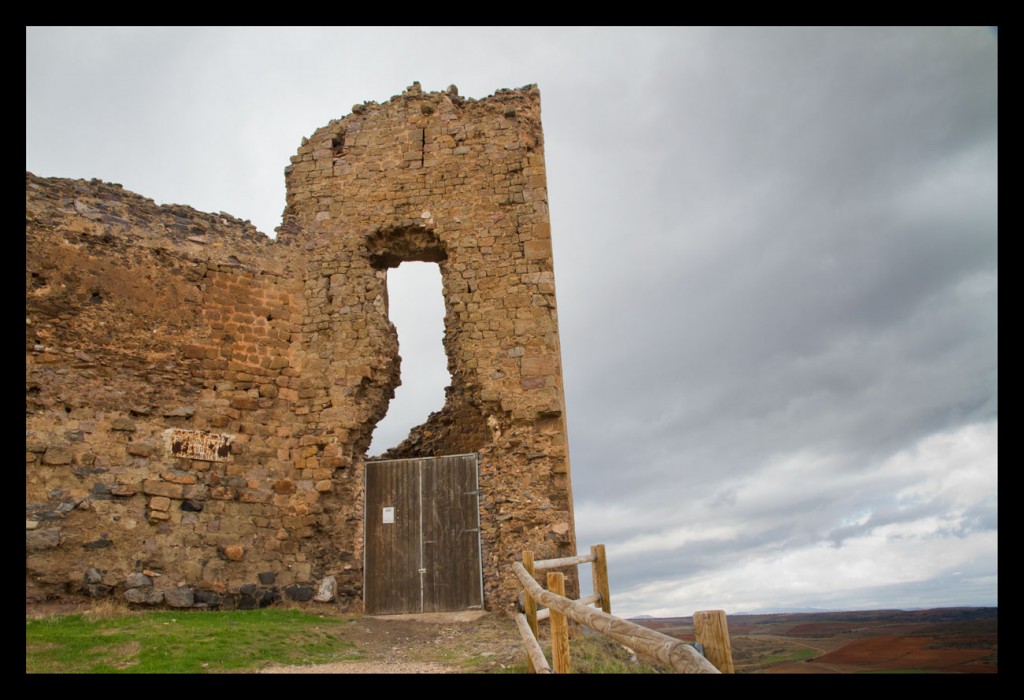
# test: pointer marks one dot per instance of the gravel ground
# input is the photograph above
(464, 642)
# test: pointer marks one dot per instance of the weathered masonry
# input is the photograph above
(200, 397)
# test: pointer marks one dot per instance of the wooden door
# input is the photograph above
(422, 536)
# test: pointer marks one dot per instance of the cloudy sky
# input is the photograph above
(775, 260)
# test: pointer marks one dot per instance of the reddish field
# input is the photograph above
(905, 652)
(943, 640)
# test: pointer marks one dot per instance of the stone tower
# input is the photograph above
(200, 398)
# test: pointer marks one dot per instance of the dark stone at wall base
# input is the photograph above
(97, 590)
(267, 578)
(246, 602)
(269, 597)
(144, 596)
(208, 598)
(299, 593)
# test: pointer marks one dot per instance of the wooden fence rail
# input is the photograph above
(538, 663)
(709, 626)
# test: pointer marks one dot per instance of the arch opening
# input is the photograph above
(416, 308)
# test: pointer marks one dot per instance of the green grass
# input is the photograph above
(183, 642)
(798, 655)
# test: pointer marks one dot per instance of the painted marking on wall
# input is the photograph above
(196, 444)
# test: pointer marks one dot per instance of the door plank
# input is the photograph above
(391, 575)
(451, 550)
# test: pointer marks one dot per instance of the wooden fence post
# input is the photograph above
(712, 632)
(529, 604)
(681, 656)
(599, 570)
(559, 626)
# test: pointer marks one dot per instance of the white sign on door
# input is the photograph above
(389, 515)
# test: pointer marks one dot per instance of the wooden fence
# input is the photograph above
(709, 626)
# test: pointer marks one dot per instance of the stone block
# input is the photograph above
(537, 249)
(140, 449)
(41, 540)
(138, 580)
(97, 590)
(537, 365)
(144, 596)
(244, 403)
(232, 552)
(206, 598)
(528, 383)
(223, 493)
(195, 492)
(178, 477)
(284, 486)
(327, 590)
(254, 496)
(153, 487)
(57, 456)
(268, 596)
(299, 592)
(182, 597)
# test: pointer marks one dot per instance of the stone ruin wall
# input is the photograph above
(143, 318)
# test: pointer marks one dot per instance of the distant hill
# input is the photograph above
(934, 640)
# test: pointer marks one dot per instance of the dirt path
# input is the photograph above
(465, 642)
